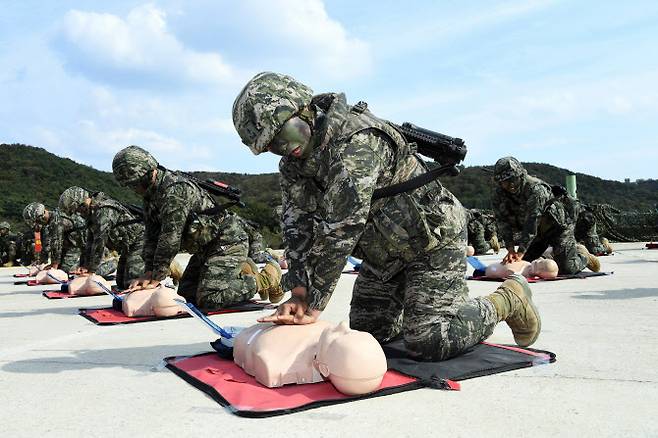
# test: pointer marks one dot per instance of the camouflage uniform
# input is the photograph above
(111, 225)
(63, 237)
(219, 245)
(412, 244)
(7, 245)
(477, 232)
(586, 233)
(25, 248)
(257, 250)
(542, 218)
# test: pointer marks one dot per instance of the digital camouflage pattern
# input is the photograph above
(33, 214)
(72, 199)
(64, 239)
(518, 213)
(481, 231)
(556, 229)
(174, 216)
(112, 226)
(412, 244)
(7, 245)
(264, 105)
(131, 164)
(585, 231)
(627, 226)
(257, 249)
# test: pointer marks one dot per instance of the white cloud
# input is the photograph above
(103, 44)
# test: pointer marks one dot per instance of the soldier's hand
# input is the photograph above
(293, 311)
(510, 257)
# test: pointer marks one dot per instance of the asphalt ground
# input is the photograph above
(61, 375)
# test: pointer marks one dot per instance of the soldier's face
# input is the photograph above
(294, 139)
(511, 185)
(3, 231)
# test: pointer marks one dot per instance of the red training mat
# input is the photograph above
(652, 245)
(244, 393)
(110, 316)
(56, 294)
(21, 275)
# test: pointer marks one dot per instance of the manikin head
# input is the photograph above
(544, 268)
(272, 113)
(52, 276)
(151, 302)
(470, 251)
(87, 285)
(509, 173)
(352, 360)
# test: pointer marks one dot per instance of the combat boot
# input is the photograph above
(269, 281)
(593, 263)
(513, 303)
(494, 244)
(9, 264)
(606, 244)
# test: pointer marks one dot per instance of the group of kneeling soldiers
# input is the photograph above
(334, 156)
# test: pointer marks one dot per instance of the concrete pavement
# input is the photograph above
(60, 375)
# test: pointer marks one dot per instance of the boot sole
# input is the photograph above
(526, 289)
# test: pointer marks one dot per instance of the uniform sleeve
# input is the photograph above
(352, 178)
(296, 225)
(534, 209)
(174, 214)
(151, 232)
(501, 214)
(104, 220)
(56, 240)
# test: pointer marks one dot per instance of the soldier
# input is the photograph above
(7, 246)
(586, 233)
(412, 279)
(257, 250)
(477, 232)
(110, 226)
(180, 215)
(63, 236)
(527, 206)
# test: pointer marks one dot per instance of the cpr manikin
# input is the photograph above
(87, 285)
(52, 276)
(277, 355)
(35, 269)
(542, 268)
(152, 302)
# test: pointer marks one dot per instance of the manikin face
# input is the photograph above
(545, 268)
(352, 360)
(293, 139)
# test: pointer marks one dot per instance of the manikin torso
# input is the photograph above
(52, 276)
(34, 270)
(277, 355)
(152, 302)
(542, 268)
(87, 285)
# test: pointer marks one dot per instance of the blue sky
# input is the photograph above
(570, 83)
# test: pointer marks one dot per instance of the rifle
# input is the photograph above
(447, 151)
(216, 188)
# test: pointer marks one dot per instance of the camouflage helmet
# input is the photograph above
(131, 164)
(33, 213)
(5, 226)
(264, 105)
(72, 198)
(508, 167)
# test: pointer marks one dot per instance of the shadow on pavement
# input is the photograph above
(136, 358)
(620, 294)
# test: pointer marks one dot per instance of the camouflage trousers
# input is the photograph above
(130, 266)
(426, 303)
(213, 280)
(476, 238)
(107, 267)
(561, 238)
(593, 244)
(70, 259)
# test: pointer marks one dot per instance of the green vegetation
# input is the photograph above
(25, 179)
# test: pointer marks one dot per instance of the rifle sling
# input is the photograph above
(413, 183)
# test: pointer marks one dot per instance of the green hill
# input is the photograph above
(34, 174)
